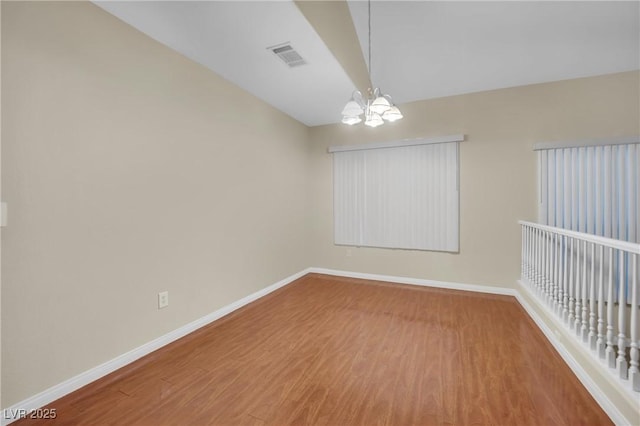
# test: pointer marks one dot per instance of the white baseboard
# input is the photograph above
(601, 398)
(47, 396)
(417, 281)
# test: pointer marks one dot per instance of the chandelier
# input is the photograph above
(376, 106)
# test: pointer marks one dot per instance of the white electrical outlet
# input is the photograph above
(163, 299)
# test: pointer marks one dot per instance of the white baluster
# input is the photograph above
(553, 303)
(601, 303)
(554, 272)
(532, 254)
(584, 317)
(555, 266)
(634, 371)
(534, 258)
(570, 286)
(529, 255)
(592, 300)
(540, 273)
(609, 352)
(547, 260)
(577, 293)
(545, 276)
(543, 269)
(621, 360)
(529, 258)
(565, 290)
(523, 252)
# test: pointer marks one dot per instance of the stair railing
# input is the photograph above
(591, 284)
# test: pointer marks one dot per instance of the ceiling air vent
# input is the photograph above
(288, 55)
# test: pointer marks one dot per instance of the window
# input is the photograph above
(591, 188)
(397, 195)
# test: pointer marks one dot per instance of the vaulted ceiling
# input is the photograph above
(419, 49)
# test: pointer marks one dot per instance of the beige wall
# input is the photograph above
(130, 170)
(497, 170)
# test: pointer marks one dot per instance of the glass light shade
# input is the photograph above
(352, 108)
(392, 114)
(373, 120)
(351, 119)
(380, 105)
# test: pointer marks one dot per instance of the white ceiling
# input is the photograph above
(420, 49)
(429, 49)
(231, 38)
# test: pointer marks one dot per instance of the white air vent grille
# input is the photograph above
(288, 55)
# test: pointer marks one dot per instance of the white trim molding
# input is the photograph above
(11, 414)
(396, 144)
(417, 281)
(541, 146)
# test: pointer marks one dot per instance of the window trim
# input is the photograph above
(397, 144)
(542, 146)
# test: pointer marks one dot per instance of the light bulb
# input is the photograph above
(380, 105)
(373, 120)
(352, 108)
(351, 119)
(392, 114)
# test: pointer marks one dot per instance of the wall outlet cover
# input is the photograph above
(163, 299)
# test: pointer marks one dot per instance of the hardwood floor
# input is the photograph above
(337, 351)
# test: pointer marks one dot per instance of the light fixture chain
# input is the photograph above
(369, 44)
(376, 107)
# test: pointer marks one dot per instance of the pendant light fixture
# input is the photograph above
(376, 106)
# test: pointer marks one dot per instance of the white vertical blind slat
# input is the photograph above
(632, 191)
(582, 206)
(608, 194)
(404, 197)
(543, 165)
(598, 192)
(592, 189)
(559, 188)
(615, 195)
(437, 166)
(590, 181)
(551, 183)
(453, 200)
(567, 188)
(574, 190)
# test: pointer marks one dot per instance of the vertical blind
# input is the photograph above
(402, 197)
(592, 189)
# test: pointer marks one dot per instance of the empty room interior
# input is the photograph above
(320, 212)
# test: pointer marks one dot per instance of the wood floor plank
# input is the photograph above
(336, 351)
